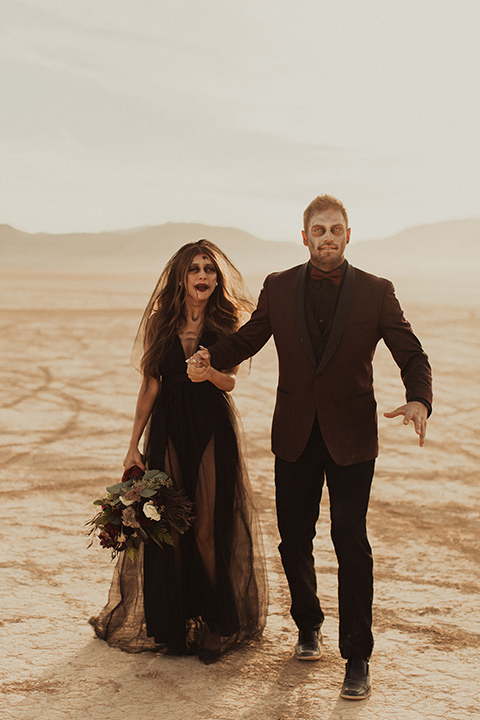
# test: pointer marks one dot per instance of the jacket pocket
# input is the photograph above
(360, 395)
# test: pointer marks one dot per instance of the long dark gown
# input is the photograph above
(212, 583)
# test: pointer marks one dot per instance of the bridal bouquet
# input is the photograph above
(144, 506)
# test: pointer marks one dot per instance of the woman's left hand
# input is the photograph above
(198, 366)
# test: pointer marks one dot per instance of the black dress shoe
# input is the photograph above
(356, 685)
(309, 645)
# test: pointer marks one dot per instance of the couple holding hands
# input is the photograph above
(208, 593)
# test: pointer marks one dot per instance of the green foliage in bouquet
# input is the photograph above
(143, 506)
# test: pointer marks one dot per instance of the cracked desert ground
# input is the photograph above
(67, 400)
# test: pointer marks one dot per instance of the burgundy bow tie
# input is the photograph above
(334, 275)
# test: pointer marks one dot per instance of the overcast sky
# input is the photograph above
(124, 113)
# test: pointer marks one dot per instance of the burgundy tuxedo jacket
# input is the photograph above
(339, 389)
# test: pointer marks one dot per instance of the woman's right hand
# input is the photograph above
(133, 457)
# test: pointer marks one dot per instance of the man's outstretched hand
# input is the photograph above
(415, 411)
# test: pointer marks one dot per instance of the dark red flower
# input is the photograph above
(134, 471)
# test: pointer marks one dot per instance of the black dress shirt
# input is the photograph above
(321, 297)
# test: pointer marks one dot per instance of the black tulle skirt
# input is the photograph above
(209, 590)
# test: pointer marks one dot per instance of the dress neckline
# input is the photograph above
(195, 347)
(205, 337)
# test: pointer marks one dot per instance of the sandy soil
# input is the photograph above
(67, 402)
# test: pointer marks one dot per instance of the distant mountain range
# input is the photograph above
(428, 250)
(139, 250)
(437, 250)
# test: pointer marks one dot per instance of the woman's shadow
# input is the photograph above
(100, 681)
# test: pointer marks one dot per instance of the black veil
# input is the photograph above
(235, 289)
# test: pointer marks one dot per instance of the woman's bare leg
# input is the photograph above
(205, 511)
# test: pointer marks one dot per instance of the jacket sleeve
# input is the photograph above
(247, 341)
(406, 350)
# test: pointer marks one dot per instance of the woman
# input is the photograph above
(208, 591)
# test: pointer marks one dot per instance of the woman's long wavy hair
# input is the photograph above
(226, 309)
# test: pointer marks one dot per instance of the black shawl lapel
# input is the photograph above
(341, 314)
(299, 309)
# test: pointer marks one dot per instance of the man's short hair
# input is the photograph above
(321, 203)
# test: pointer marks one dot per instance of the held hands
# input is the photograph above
(415, 411)
(198, 366)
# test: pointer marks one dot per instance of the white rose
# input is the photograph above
(126, 502)
(151, 511)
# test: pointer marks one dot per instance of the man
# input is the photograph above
(327, 317)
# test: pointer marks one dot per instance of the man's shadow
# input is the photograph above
(292, 694)
(348, 709)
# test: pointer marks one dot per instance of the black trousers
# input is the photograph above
(298, 493)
